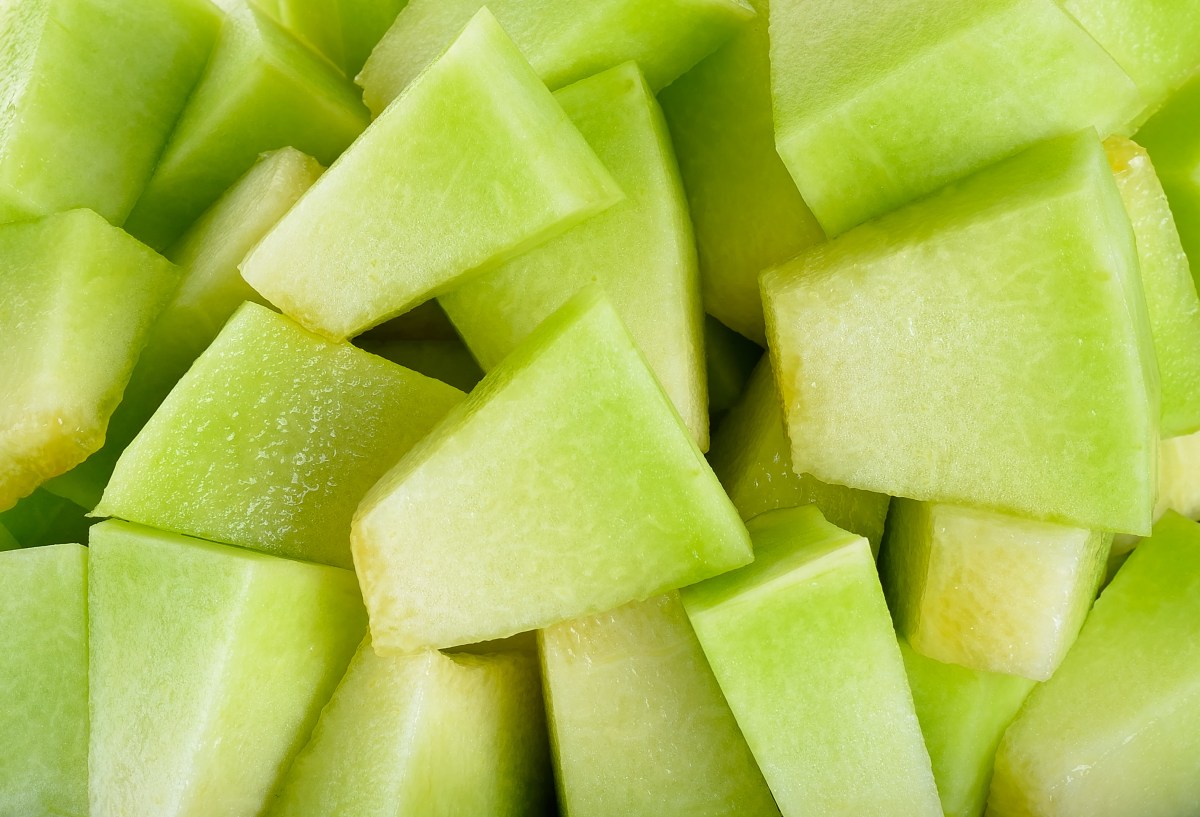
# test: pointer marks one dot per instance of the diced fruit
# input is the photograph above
(271, 439)
(640, 250)
(1170, 138)
(729, 361)
(375, 236)
(209, 667)
(1178, 490)
(804, 650)
(42, 518)
(639, 725)
(988, 346)
(614, 502)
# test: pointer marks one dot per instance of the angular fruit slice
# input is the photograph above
(1116, 731)
(614, 502)
(271, 439)
(641, 251)
(42, 518)
(803, 648)
(71, 282)
(209, 667)
(44, 681)
(638, 723)
(475, 164)
(957, 350)
(426, 734)
(935, 90)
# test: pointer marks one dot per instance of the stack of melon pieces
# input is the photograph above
(402, 462)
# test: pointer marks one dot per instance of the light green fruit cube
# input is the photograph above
(44, 682)
(565, 485)
(804, 650)
(638, 723)
(43, 518)
(641, 251)
(988, 346)
(271, 439)
(475, 164)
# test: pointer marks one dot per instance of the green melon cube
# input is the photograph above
(988, 346)
(641, 251)
(473, 165)
(43, 518)
(638, 723)
(804, 650)
(271, 439)
(209, 667)
(566, 468)
(44, 682)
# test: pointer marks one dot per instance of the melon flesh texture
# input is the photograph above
(262, 90)
(44, 682)
(615, 502)
(988, 346)
(345, 31)
(640, 250)
(71, 282)
(427, 734)
(564, 40)
(1116, 731)
(804, 650)
(747, 212)
(209, 668)
(89, 92)
(43, 518)
(271, 439)
(476, 163)
(882, 104)
(638, 723)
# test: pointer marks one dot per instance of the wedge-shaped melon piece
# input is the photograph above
(271, 439)
(804, 650)
(43, 518)
(638, 723)
(613, 503)
(426, 734)
(1116, 731)
(641, 251)
(209, 668)
(988, 346)
(474, 164)
(879, 103)
(79, 298)
(345, 31)
(564, 40)
(44, 682)
(1170, 138)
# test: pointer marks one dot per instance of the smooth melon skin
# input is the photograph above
(988, 346)
(43, 518)
(44, 682)
(1116, 731)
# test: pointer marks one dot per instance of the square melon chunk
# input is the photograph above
(565, 485)
(474, 164)
(988, 346)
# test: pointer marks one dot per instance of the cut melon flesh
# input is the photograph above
(729, 361)
(640, 250)
(804, 650)
(446, 360)
(988, 346)
(1170, 138)
(71, 282)
(1116, 731)
(44, 682)
(991, 592)
(89, 92)
(747, 212)
(271, 439)
(638, 723)
(42, 518)
(615, 502)
(882, 104)
(209, 667)
(474, 164)
(563, 41)
(426, 734)
(262, 90)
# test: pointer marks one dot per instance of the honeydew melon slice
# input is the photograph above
(1170, 138)
(43, 518)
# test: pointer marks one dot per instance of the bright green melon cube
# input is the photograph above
(44, 682)
(43, 518)
(568, 469)
(271, 439)
(638, 723)
(804, 650)
(988, 346)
